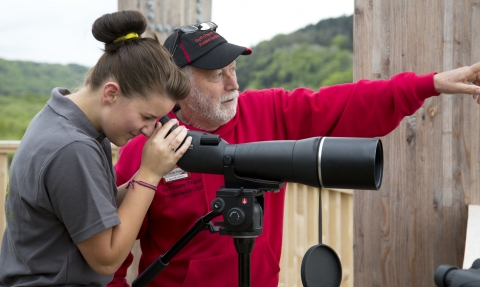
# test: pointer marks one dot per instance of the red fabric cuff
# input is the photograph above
(425, 86)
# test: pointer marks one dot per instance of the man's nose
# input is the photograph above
(231, 83)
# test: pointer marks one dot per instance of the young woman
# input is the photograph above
(67, 222)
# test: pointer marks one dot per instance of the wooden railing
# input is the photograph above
(300, 223)
(6, 147)
(300, 230)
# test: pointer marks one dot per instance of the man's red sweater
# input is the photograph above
(362, 109)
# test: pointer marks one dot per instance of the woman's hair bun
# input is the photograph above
(141, 66)
(111, 26)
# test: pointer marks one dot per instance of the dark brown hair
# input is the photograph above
(139, 65)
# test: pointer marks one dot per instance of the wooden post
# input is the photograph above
(6, 147)
(3, 190)
(164, 16)
(417, 220)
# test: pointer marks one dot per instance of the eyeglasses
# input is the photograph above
(188, 29)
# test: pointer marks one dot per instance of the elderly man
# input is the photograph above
(362, 109)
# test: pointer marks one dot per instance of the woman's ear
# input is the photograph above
(111, 91)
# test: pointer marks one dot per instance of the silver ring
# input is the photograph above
(171, 146)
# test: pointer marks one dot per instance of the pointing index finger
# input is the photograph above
(475, 68)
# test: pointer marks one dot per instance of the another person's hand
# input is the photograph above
(465, 80)
(161, 152)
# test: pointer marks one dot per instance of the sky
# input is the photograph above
(59, 31)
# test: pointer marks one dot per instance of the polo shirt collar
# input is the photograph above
(64, 107)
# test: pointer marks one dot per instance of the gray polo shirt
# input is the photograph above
(62, 191)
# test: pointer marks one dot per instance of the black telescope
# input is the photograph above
(250, 169)
(330, 162)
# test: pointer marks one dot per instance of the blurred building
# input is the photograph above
(165, 15)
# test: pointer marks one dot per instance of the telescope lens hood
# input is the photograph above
(350, 163)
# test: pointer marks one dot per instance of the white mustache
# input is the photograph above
(230, 96)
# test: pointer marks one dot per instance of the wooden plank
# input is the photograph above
(474, 150)
(3, 191)
(132, 271)
(8, 146)
(301, 229)
(346, 251)
(129, 5)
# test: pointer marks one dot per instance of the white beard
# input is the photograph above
(203, 108)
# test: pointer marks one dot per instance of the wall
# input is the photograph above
(417, 220)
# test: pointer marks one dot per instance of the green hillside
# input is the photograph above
(314, 56)
(23, 78)
(16, 112)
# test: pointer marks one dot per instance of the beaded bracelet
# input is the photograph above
(132, 181)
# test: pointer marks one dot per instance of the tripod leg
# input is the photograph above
(244, 270)
(161, 262)
(244, 247)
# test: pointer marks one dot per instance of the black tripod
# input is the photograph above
(241, 204)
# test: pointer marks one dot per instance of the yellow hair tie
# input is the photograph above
(126, 37)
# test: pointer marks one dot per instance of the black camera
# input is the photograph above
(451, 276)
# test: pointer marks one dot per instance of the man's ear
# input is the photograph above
(111, 92)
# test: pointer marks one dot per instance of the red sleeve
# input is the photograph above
(367, 108)
(119, 279)
(128, 163)
(129, 160)
(387, 102)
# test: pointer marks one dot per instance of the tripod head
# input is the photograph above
(242, 212)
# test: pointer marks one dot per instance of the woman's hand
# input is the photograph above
(161, 152)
